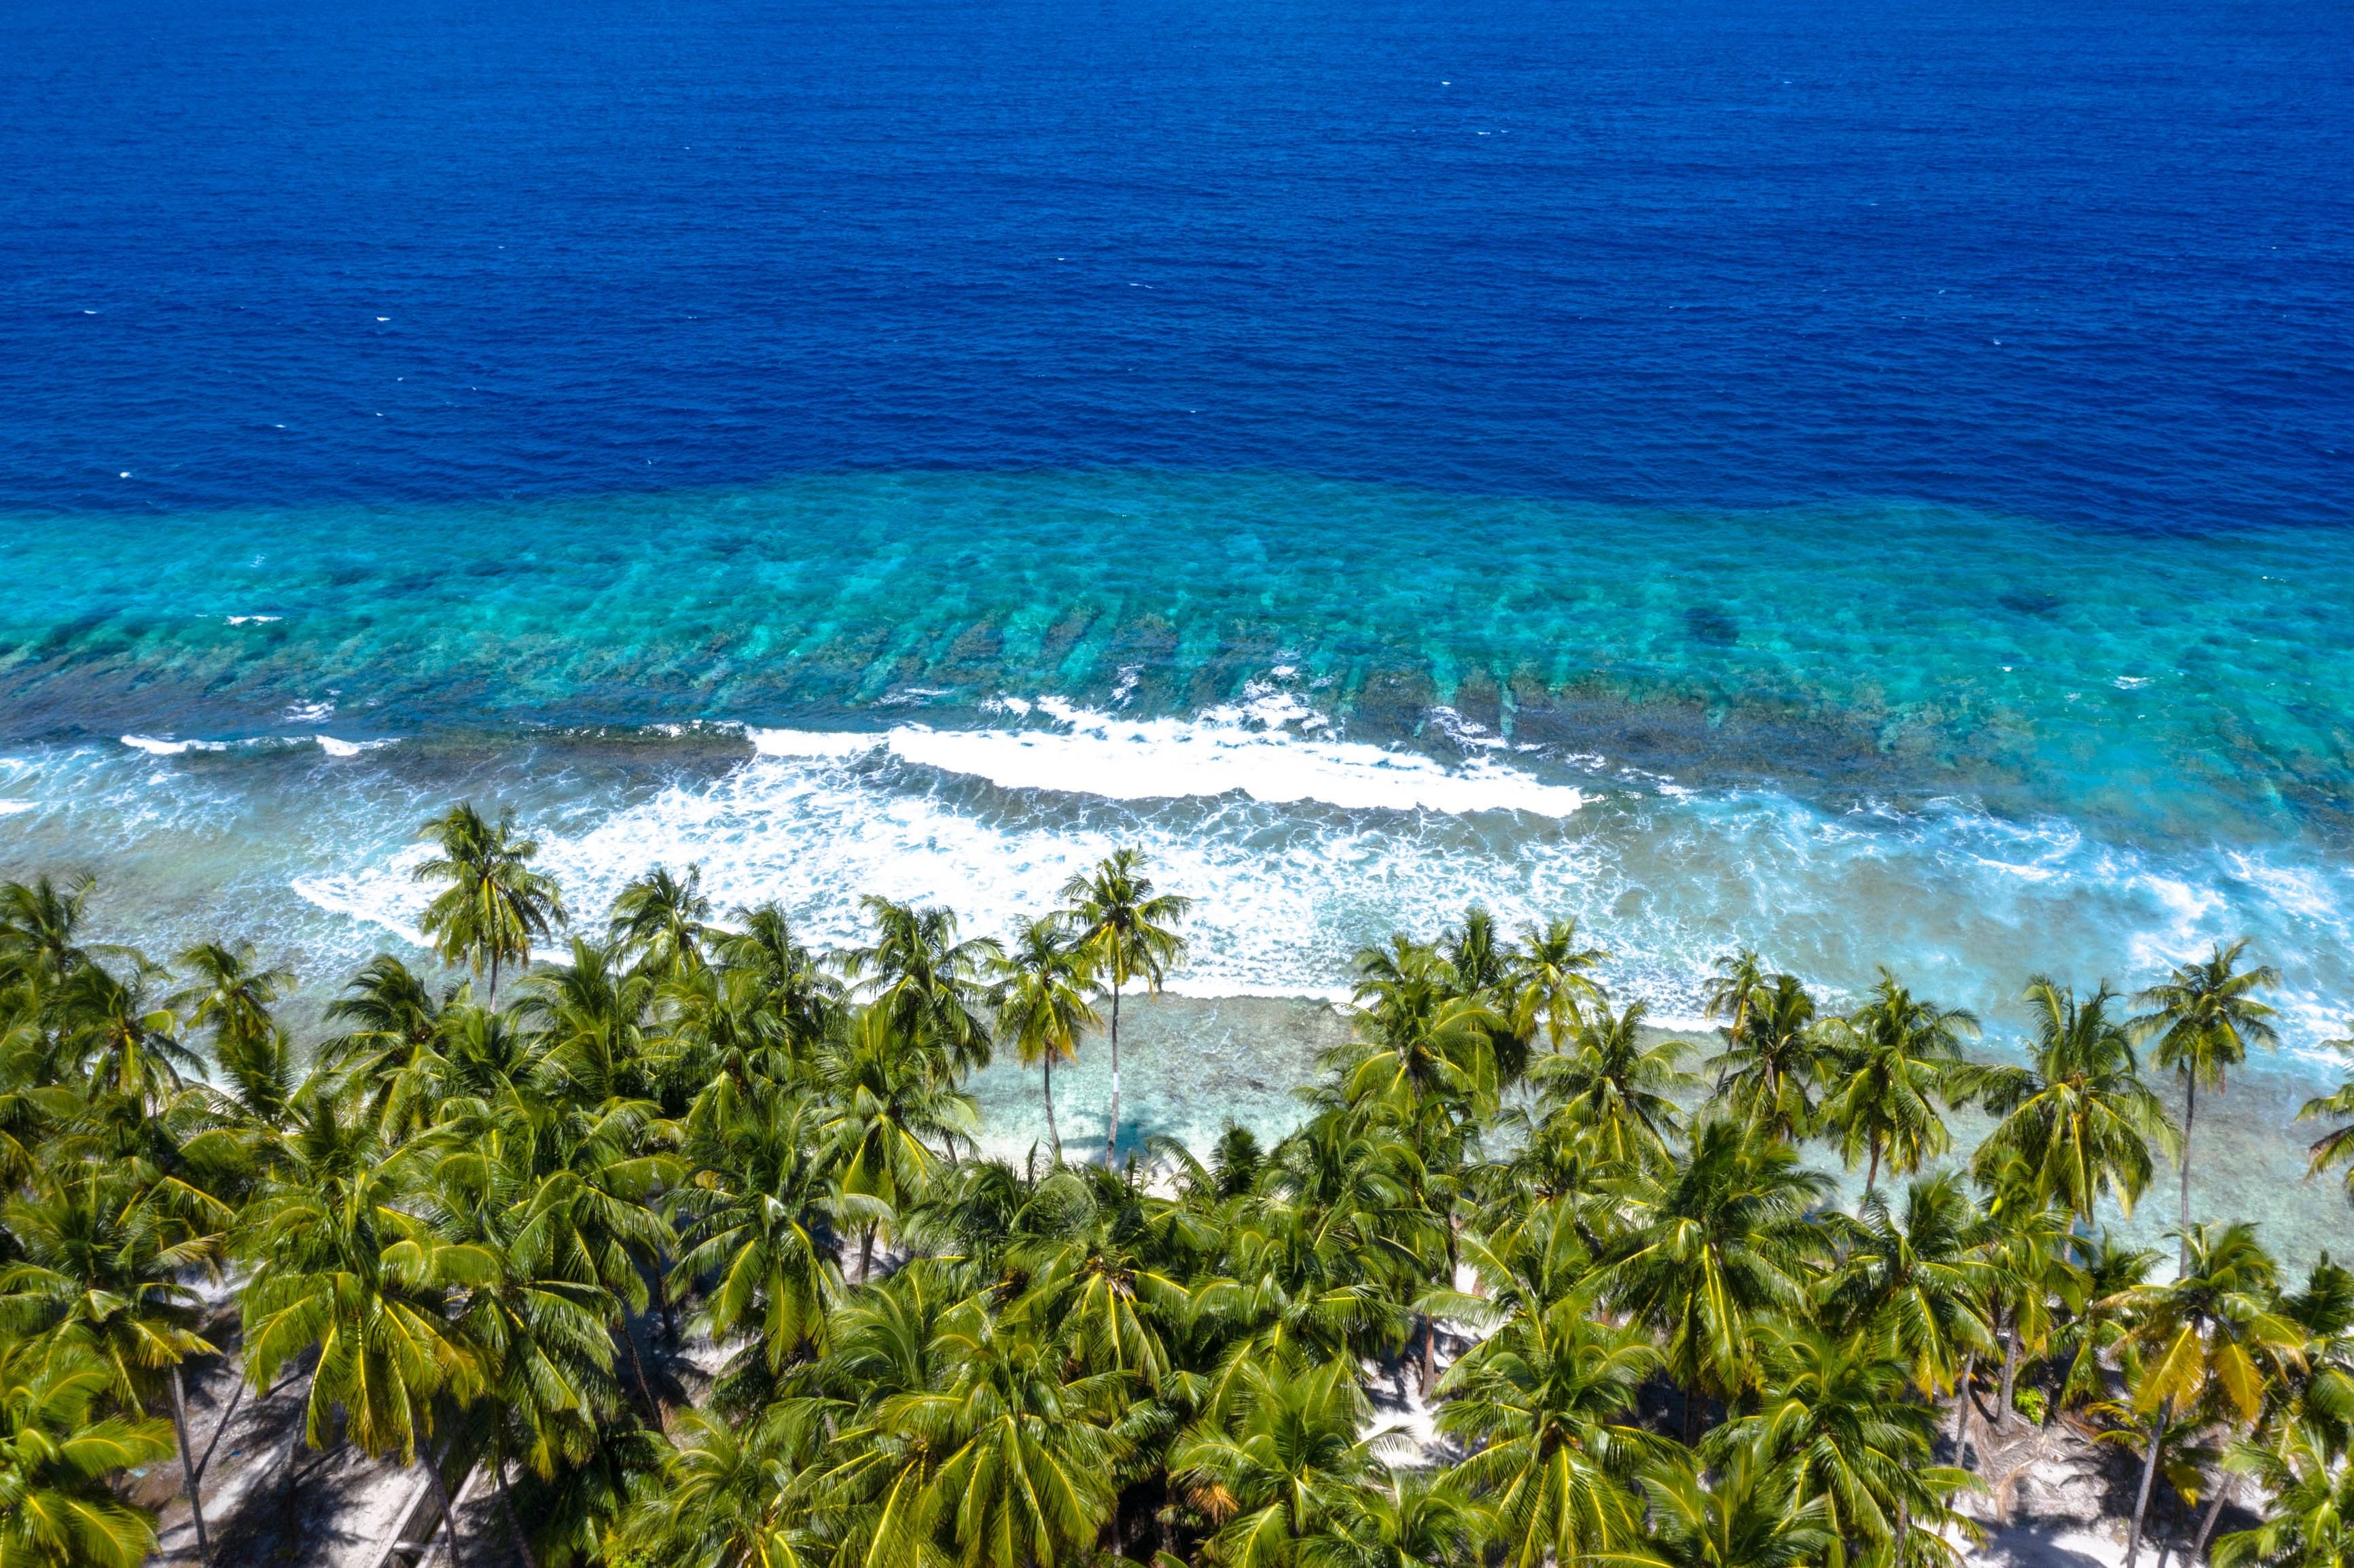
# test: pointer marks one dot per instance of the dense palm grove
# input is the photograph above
(490, 1229)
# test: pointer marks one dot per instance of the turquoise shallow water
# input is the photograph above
(2171, 687)
(1971, 747)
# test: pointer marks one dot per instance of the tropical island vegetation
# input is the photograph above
(480, 1222)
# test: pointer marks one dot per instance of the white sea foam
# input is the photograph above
(11, 808)
(253, 619)
(341, 748)
(1244, 749)
(318, 712)
(156, 747)
(812, 742)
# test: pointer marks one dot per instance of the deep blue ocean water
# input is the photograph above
(1867, 482)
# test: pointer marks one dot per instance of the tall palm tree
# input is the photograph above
(883, 1107)
(935, 988)
(2080, 1117)
(760, 1221)
(1410, 1521)
(341, 1265)
(1896, 1056)
(1615, 1088)
(1919, 1279)
(495, 905)
(1714, 1244)
(40, 926)
(1543, 1406)
(1042, 1006)
(1772, 1058)
(1128, 932)
(2205, 1015)
(1422, 1038)
(2214, 1331)
(1551, 982)
(58, 1456)
(664, 919)
(1028, 1456)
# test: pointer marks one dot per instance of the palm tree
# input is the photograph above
(2080, 1118)
(1738, 1519)
(2337, 1146)
(1736, 981)
(1772, 1058)
(1028, 1459)
(58, 1457)
(725, 1497)
(760, 1221)
(2205, 1016)
(232, 998)
(1543, 1404)
(40, 926)
(1920, 1280)
(2312, 1515)
(1042, 1006)
(664, 919)
(495, 905)
(102, 1268)
(935, 988)
(884, 1103)
(342, 1265)
(1714, 1244)
(1551, 982)
(1127, 932)
(1423, 1040)
(1292, 1458)
(1897, 1054)
(1616, 1088)
(2213, 1331)
(1833, 1426)
(1410, 1521)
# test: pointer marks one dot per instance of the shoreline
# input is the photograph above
(1189, 1063)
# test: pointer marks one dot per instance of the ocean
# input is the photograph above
(1868, 484)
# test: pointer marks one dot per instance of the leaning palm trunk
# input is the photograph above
(189, 1458)
(1111, 1133)
(442, 1501)
(2149, 1479)
(2207, 1520)
(1054, 1136)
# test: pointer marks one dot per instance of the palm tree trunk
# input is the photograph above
(2190, 1114)
(1692, 1417)
(1962, 1405)
(2206, 1522)
(188, 1459)
(2149, 1477)
(441, 1501)
(645, 1391)
(1052, 1136)
(492, 1003)
(1111, 1133)
(1871, 1176)
(515, 1525)
(2009, 1376)
(1429, 1355)
(865, 1254)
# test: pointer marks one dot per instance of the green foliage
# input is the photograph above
(521, 1223)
